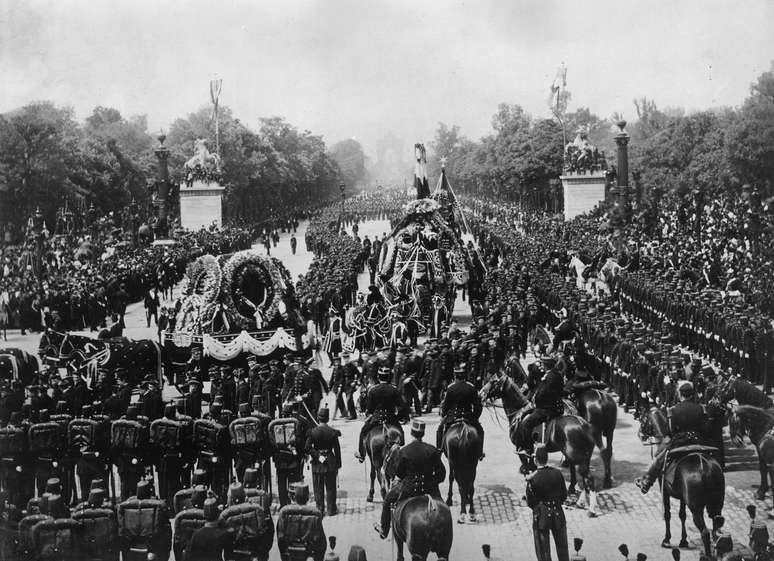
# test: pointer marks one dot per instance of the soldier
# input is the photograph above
(152, 404)
(46, 441)
(99, 527)
(251, 524)
(212, 540)
(212, 444)
(384, 404)
(288, 436)
(548, 404)
(461, 401)
(248, 438)
(129, 441)
(187, 522)
(14, 462)
(89, 440)
(188, 454)
(688, 424)
(167, 436)
(300, 533)
(67, 460)
(420, 470)
(143, 526)
(546, 491)
(343, 384)
(322, 445)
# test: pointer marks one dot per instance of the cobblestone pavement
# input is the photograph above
(504, 521)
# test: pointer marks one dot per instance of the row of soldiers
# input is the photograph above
(202, 526)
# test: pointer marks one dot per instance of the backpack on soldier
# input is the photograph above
(126, 434)
(186, 524)
(12, 441)
(166, 434)
(245, 431)
(141, 518)
(283, 432)
(45, 437)
(86, 433)
(99, 530)
(56, 539)
(247, 521)
(206, 435)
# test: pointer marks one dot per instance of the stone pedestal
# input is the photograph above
(201, 204)
(582, 192)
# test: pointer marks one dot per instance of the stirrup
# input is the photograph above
(378, 528)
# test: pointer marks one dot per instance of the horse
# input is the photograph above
(698, 482)
(461, 444)
(137, 357)
(578, 266)
(569, 434)
(600, 411)
(378, 441)
(423, 523)
(744, 392)
(757, 424)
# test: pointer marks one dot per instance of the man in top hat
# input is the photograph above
(688, 424)
(322, 445)
(461, 401)
(546, 491)
(420, 470)
(384, 404)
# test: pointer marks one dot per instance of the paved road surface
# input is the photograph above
(626, 516)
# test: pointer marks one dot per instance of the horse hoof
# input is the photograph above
(760, 495)
(384, 493)
(683, 544)
(592, 514)
(472, 518)
(607, 483)
(449, 502)
(665, 544)
(461, 519)
(370, 499)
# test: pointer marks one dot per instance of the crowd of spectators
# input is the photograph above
(75, 281)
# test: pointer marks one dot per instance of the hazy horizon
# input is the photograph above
(346, 69)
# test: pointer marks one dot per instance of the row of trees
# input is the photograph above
(47, 157)
(717, 149)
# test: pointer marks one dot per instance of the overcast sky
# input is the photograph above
(361, 68)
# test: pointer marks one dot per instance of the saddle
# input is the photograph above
(397, 512)
(544, 432)
(676, 455)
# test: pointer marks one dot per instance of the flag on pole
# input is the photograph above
(420, 172)
(215, 87)
(559, 83)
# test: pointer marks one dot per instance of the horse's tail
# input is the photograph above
(713, 484)
(439, 527)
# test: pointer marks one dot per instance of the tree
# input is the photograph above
(351, 160)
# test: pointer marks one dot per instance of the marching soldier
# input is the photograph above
(288, 436)
(167, 435)
(89, 441)
(343, 384)
(46, 440)
(144, 531)
(187, 522)
(212, 540)
(322, 445)
(14, 463)
(251, 524)
(248, 437)
(99, 527)
(188, 451)
(212, 444)
(67, 460)
(129, 441)
(300, 533)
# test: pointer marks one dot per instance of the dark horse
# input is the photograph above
(569, 434)
(757, 423)
(377, 443)
(744, 392)
(139, 358)
(698, 482)
(423, 523)
(461, 444)
(599, 409)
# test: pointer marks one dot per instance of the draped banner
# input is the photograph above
(245, 343)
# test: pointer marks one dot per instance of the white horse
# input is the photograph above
(578, 266)
(202, 157)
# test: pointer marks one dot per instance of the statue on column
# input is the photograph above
(204, 166)
(582, 156)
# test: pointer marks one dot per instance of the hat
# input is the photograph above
(384, 373)
(199, 477)
(541, 454)
(459, 371)
(301, 493)
(548, 362)
(323, 415)
(96, 497)
(198, 496)
(417, 427)
(356, 553)
(250, 478)
(685, 389)
(211, 512)
(244, 409)
(236, 494)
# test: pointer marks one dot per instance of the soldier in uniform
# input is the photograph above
(14, 462)
(384, 404)
(46, 442)
(143, 526)
(212, 540)
(288, 452)
(89, 440)
(129, 441)
(548, 404)
(99, 527)
(420, 470)
(322, 445)
(461, 401)
(251, 524)
(300, 533)
(187, 522)
(688, 422)
(343, 383)
(211, 440)
(167, 435)
(248, 436)
(546, 491)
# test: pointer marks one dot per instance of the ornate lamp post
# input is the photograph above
(162, 188)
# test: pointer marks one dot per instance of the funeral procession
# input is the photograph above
(387, 280)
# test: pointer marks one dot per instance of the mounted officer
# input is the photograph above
(461, 401)
(384, 404)
(420, 470)
(688, 422)
(548, 404)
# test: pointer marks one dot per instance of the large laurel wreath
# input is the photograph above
(203, 282)
(269, 275)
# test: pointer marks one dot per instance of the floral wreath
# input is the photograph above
(202, 286)
(270, 276)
